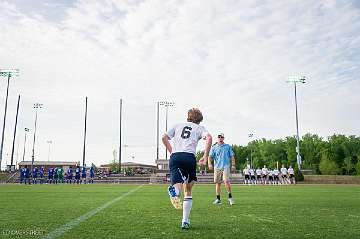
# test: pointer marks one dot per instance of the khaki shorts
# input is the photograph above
(221, 175)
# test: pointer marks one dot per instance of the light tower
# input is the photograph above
(6, 73)
(295, 80)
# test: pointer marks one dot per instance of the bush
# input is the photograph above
(328, 167)
(298, 174)
(357, 167)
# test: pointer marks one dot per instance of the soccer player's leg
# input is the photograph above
(177, 180)
(187, 205)
(190, 170)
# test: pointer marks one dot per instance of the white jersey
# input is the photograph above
(291, 171)
(264, 171)
(258, 171)
(246, 171)
(186, 136)
(283, 171)
(251, 171)
(276, 172)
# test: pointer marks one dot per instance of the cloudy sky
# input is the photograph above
(229, 58)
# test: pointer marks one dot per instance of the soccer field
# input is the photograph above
(135, 211)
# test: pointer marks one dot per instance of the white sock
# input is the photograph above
(186, 208)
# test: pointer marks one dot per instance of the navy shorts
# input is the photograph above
(182, 168)
(77, 176)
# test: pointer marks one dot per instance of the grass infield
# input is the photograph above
(302, 211)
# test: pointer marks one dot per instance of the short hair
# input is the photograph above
(195, 116)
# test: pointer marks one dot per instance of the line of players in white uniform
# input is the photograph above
(269, 176)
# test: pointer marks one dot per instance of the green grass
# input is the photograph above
(302, 211)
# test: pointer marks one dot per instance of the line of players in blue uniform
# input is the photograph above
(56, 175)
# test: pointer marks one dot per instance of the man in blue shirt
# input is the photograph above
(222, 155)
(35, 172)
(92, 173)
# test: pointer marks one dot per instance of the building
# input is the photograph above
(162, 164)
(137, 168)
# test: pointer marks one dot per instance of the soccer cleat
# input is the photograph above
(231, 201)
(185, 226)
(174, 199)
(217, 202)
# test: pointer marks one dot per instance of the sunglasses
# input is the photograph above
(220, 137)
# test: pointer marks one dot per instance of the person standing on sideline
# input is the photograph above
(246, 173)
(221, 154)
(92, 173)
(83, 174)
(264, 174)
(41, 175)
(185, 137)
(35, 172)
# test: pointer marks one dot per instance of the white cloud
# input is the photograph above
(230, 58)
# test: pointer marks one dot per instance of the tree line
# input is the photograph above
(336, 154)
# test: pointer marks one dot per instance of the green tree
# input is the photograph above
(328, 167)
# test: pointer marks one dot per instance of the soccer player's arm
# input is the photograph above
(208, 153)
(166, 137)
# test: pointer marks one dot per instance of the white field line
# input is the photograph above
(68, 226)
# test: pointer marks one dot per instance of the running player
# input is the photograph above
(185, 137)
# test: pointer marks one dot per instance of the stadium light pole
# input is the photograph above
(49, 142)
(167, 104)
(84, 149)
(250, 136)
(12, 167)
(36, 107)
(120, 132)
(295, 80)
(157, 130)
(26, 130)
(6, 73)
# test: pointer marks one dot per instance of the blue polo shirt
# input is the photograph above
(221, 155)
